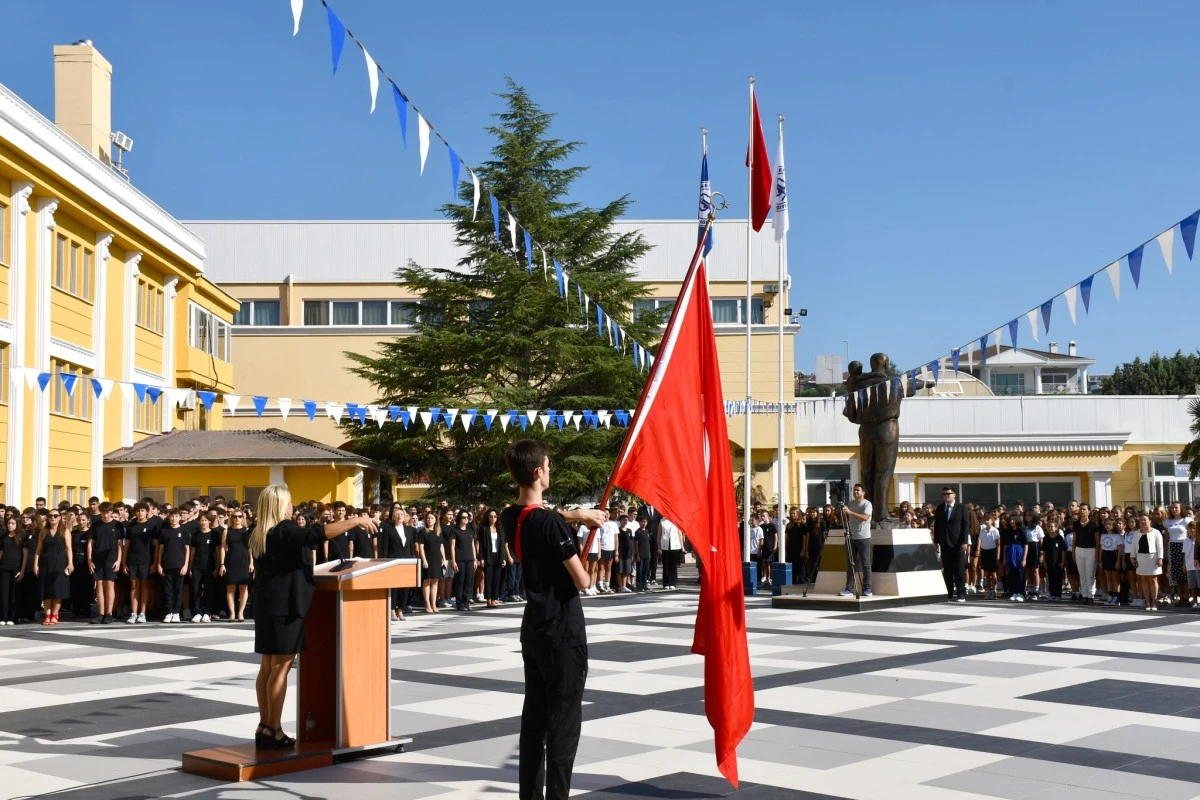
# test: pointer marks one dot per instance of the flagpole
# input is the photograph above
(782, 469)
(749, 299)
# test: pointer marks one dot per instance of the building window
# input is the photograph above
(345, 312)
(56, 496)
(208, 332)
(257, 312)
(1165, 481)
(1007, 492)
(349, 313)
(1056, 382)
(149, 306)
(151, 493)
(148, 417)
(647, 305)
(185, 493)
(732, 311)
(1007, 383)
(77, 403)
(405, 312)
(227, 492)
(73, 267)
(250, 494)
(826, 483)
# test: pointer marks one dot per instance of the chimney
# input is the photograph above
(1071, 347)
(1054, 347)
(83, 96)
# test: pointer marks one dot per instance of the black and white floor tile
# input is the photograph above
(938, 702)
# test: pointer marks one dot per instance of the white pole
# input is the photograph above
(781, 302)
(749, 298)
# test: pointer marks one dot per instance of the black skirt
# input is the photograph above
(56, 585)
(278, 636)
(988, 561)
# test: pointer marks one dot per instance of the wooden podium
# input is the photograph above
(344, 679)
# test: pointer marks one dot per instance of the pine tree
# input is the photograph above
(1158, 375)
(491, 333)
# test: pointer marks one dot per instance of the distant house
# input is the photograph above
(1023, 371)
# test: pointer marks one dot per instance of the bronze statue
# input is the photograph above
(877, 413)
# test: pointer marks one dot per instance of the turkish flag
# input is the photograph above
(760, 168)
(676, 457)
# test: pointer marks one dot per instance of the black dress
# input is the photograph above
(283, 587)
(52, 569)
(431, 543)
(237, 557)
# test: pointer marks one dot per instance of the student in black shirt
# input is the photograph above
(81, 581)
(171, 562)
(553, 636)
(643, 553)
(139, 556)
(465, 559)
(104, 561)
(1054, 557)
(12, 557)
(201, 583)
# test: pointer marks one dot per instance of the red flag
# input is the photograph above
(760, 168)
(676, 457)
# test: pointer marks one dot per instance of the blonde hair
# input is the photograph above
(269, 511)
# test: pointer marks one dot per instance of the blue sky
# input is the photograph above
(950, 165)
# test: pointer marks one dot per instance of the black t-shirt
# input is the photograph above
(138, 537)
(770, 531)
(1009, 536)
(624, 544)
(553, 612)
(361, 539)
(643, 543)
(174, 542)
(1053, 549)
(1085, 535)
(431, 542)
(339, 546)
(202, 549)
(10, 557)
(105, 536)
(463, 539)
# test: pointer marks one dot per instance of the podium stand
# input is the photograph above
(343, 683)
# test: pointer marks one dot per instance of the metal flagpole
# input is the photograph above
(781, 517)
(749, 298)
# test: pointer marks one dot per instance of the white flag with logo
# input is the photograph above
(780, 220)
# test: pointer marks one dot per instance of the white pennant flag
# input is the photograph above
(568, 416)
(128, 392)
(423, 136)
(504, 421)
(605, 417)
(31, 378)
(285, 406)
(544, 419)
(531, 415)
(231, 402)
(466, 421)
(15, 375)
(380, 416)
(1114, 275)
(372, 77)
(1166, 243)
(335, 411)
(178, 398)
(512, 230)
(297, 10)
(475, 205)
(566, 285)
(1070, 295)
(426, 418)
(1032, 316)
(575, 421)
(412, 412)
(451, 414)
(106, 387)
(545, 267)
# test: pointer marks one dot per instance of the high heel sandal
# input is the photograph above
(264, 737)
(286, 743)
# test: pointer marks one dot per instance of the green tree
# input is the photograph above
(1177, 374)
(1191, 452)
(492, 334)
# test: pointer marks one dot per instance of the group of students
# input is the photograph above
(139, 561)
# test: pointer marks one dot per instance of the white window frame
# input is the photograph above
(1170, 483)
(248, 307)
(217, 332)
(1037, 479)
(802, 475)
(360, 324)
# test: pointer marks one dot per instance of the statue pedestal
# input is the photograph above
(904, 570)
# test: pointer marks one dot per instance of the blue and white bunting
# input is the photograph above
(1047, 307)
(1166, 243)
(337, 37)
(372, 77)
(423, 139)
(1085, 292)
(495, 216)
(297, 10)
(401, 113)
(455, 165)
(1134, 260)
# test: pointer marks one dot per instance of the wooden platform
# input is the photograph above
(833, 602)
(243, 762)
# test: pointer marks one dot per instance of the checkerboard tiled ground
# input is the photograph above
(931, 702)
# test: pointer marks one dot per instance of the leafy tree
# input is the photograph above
(1191, 452)
(1177, 374)
(492, 334)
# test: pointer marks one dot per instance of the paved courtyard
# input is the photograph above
(935, 701)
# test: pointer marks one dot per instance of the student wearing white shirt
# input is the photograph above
(608, 551)
(1193, 569)
(1175, 532)
(671, 542)
(756, 541)
(591, 559)
(987, 560)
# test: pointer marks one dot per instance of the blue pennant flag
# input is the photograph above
(405, 418)
(68, 382)
(935, 366)
(895, 387)
(207, 399)
(361, 413)
(260, 405)
(637, 356)
(621, 417)
(495, 216)
(351, 410)
(472, 413)
(487, 421)
(337, 37)
(139, 390)
(512, 416)
(600, 320)
(983, 349)
(1135, 267)
(153, 392)
(1188, 230)
(589, 418)
(1085, 291)
(310, 408)
(954, 359)
(562, 292)
(705, 204)
(528, 252)
(524, 420)
(1012, 333)
(579, 293)
(455, 165)
(560, 420)
(1047, 307)
(43, 380)
(97, 388)
(434, 415)
(402, 113)
(393, 413)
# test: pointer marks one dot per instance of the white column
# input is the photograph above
(1100, 488)
(801, 493)
(21, 192)
(128, 340)
(99, 340)
(129, 484)
(276, 474)
(1083, 381)
(42, 276)
(358, 489)
(168, 358)
(906, 488)
(1037, 380)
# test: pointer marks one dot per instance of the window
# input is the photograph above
(148, 416)
(250, 494)
(3, 233)
(208, 333)
(228, 492)
(257, 312)
(76, 403)
(1164, 481)
(184, 493)
(647, 305)
(3, 373)
(56, 496)
(1056, 382)
(150, 306)
(1006, 492)
(157, 495)
(405, 312)
(73, 267)
(376, 313)
(345, 313)
(732, 311)
(316, 312)
(826, 483)
(1008, 383)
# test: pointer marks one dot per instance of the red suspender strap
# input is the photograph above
(517, 536)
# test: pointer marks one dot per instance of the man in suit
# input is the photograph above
(951, 525)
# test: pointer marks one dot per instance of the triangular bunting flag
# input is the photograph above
(310, 408)
(1187, 230)
(335, 411)
(488, 416)
(1085, 292)
(69, 380)
(43, 380)
(544, 419)
(475, 191)
(1047, 307)
(337, 37)
(393, 413)
(405, 417)
(139, 389)
(954, 354)
(402, 113)
(380, 416)
(528, 253)
(260, 404)
(153, 392)
(450, 415)
(983, 345)
(1033, 323)
(372, 78)
(285, 406)
(455, 166)
(297, 10)
(468, 419)
(1012, 333)
(102, 387)
(426, 419)
(531, 415)
(1071, 296)
(525, 422)
(423, 139)
(1166, 243)
(935, 367)
(495, 216)
(512, 230)
(1114, 277)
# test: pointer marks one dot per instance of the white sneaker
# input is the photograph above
(140, 618)
(196, 618)
(1019, 598)
(206, 618)
(175, 618)
(132, 619)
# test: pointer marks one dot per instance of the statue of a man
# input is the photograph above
(873, 403)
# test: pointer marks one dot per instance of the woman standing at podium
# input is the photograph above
(283, 587)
